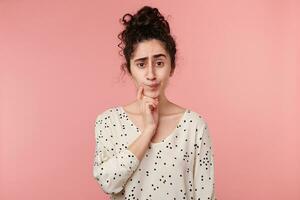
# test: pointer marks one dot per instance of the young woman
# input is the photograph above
(152, 148)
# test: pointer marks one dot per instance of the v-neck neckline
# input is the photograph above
(166, 138)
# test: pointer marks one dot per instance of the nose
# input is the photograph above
(150, 73)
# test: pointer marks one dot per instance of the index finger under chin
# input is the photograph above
(140, 93)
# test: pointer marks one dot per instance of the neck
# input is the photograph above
(163, 103)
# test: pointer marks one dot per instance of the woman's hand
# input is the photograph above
(148, 109)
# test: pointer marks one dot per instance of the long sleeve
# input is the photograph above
(204, 180)
(111, 169)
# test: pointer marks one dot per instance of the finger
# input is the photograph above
(151, 105)
(155, 103)
(146, 98)
(140, 93)
(148, 109)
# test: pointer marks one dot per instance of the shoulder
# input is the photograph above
(104, 122)
(106, 114)
(201, 129)
(197, 118)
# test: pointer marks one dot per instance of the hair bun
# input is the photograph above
(146, 16)
(147, 23)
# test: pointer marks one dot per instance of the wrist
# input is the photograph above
(150, 129)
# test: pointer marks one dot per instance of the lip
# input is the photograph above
(153, 85)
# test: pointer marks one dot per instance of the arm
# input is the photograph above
(204, 180)
(140, 145)
(111, 170)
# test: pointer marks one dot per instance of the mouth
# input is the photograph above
(153, 86)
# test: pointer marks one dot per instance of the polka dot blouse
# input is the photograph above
(181, 166)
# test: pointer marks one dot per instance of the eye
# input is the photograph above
(140, 65)
(160, 64)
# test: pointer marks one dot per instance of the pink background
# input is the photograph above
(238, 66)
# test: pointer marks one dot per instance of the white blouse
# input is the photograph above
(181, 166)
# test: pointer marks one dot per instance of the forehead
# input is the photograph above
(148, 48)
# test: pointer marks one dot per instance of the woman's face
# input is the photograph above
(151, 65)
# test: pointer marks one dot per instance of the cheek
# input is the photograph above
(137, 79)
(165, 79)
(163, 84)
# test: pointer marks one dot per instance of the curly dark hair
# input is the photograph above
(148, 23)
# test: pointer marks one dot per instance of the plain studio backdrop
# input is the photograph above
(238, 65)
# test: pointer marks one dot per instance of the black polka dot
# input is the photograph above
(181, 166)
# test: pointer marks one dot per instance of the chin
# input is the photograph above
(152, 93)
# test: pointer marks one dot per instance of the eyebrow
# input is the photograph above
(154, 56)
